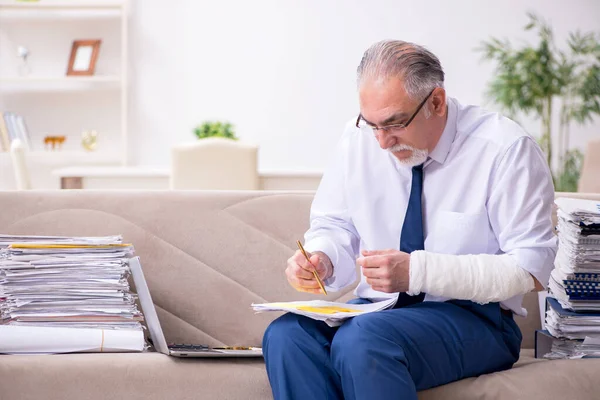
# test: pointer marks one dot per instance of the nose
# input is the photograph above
(385, 139)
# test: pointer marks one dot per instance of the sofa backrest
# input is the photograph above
(206, 255)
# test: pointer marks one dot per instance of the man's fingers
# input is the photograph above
(295, 268)
(380, 288)
(303, 283)
(374, 273)
(315, 260)
(377, 252)
(304, 263)
(302, 273)
(314, 291)
(375, 261)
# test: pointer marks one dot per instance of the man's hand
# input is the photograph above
(299, 271)
(386, 270)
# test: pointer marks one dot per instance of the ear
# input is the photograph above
(438, 101)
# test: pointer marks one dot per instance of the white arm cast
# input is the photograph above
(481, 278)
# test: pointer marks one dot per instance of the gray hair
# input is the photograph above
(419, 68)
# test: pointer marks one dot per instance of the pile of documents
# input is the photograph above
(567, 324)
(67, 294)
(575, 281)
(332, 313)
(573, 315)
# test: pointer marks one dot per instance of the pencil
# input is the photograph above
(315, 268)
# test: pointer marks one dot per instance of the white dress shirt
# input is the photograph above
(487, 189)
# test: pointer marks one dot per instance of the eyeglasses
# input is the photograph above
(395, 128)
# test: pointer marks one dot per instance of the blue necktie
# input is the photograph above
(412, 237)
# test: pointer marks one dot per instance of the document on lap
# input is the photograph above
(330, 312)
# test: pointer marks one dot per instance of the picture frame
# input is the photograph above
(84, 54)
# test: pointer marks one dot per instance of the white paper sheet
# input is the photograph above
(41, 340)
(331, 319)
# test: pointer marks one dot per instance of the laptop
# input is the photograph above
(156, 333)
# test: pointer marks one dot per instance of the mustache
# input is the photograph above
(401, 147)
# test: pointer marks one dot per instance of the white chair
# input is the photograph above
(214, 164)
(17, 155)
(589, 181)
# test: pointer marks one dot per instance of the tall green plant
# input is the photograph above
(531, 79)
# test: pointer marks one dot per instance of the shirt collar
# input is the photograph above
(441, 150)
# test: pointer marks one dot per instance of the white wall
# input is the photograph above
(284, 71)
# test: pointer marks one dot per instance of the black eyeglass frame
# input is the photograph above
(400, 126)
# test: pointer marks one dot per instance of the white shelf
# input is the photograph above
(113, 172)
(61, 4)
(70, 157)
(59, 84)
(31, 13)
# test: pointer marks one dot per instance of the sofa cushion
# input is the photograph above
(130, 376)
(530, 379)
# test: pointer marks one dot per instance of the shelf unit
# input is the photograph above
(56, 19)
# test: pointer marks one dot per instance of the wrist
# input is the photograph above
(416, 272)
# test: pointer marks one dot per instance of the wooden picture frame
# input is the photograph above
(84, 54)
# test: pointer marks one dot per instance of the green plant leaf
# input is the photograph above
(529, 79)
(215, 129)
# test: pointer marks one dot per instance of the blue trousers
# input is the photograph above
(389, 354)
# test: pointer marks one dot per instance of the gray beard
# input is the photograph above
(418, 156)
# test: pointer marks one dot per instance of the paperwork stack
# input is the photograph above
(67, 294)
(573, 317)
(575, 281)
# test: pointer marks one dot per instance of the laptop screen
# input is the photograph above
(154, 328)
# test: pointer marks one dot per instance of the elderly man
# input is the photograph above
(446, 207)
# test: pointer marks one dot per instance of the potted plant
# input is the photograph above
(215, 129)
(533, 79)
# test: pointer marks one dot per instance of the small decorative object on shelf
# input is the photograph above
(89, 140)
(24, 67)
(218, 129)
(53, 142)
(84, 54)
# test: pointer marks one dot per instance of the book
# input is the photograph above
(10, 125)
(4, 138)
(23, 132)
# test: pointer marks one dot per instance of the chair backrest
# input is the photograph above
(17, 155)
(214, 164)
(589, 181)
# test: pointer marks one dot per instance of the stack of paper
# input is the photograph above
(572, 349)
(60, 294)
(6, 240)
(567, 324)
(575, 281)
(332, 313)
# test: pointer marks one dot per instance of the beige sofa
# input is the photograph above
(207, 256)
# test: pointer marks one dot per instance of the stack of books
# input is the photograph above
(573, 314)
(12, 126)
(67, 294)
